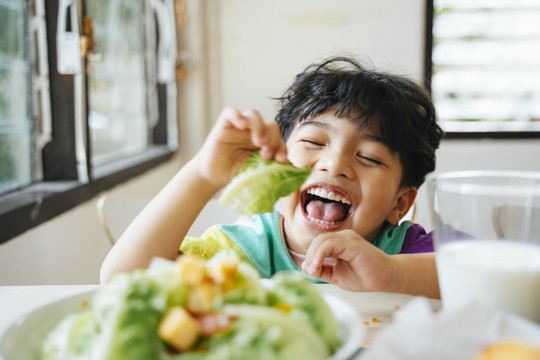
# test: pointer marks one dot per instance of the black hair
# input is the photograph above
(399, 110)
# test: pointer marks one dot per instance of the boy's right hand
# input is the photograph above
(232, 140)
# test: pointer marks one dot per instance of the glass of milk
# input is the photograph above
(487, 239)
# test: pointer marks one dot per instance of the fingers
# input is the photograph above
(262, 135)
(359, 266)
(340, 258)
(265, 136)
(326, 270)
(273, 146)
(256, 125)
(323, 254)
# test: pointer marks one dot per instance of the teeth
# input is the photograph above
(324, 222)
(330, 195)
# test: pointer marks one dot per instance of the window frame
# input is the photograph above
(428, 73)
(61, 190)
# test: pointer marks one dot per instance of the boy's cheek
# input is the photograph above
(288, 203)
(285, 201)
(293, 152)
(297, 157)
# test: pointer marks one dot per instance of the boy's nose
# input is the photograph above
(336, 163)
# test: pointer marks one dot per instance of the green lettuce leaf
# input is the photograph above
(129, 311)
(122, 324)
(260, 183)
(307, 305)
(247, 284)
(262, 333)
(72, 338)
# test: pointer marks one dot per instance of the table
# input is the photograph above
(375, 309)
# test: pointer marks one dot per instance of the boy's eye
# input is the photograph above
(370, 160)
(311, 142)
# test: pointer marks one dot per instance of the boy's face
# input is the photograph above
(354, 184)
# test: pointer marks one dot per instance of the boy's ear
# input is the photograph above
(404, 201)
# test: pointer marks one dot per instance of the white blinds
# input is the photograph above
(486, 64)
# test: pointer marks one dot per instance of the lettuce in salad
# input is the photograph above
(121, 324)
(225, 313)
(307, 306)
(260, 183)
(262, 333)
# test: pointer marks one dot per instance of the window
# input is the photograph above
(485, 65)
(87, 100)
(118, 120)
(15, 123)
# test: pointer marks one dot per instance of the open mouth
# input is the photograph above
(324, 206)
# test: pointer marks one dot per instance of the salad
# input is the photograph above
(197, 309)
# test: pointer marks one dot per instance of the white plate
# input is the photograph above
(22, 339)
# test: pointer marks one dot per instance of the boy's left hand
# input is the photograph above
(356, 265)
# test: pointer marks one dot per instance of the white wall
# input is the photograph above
(264, 44)
(242, 53)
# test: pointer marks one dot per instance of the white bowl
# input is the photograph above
(23, 338)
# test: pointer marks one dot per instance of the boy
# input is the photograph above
(370, 139)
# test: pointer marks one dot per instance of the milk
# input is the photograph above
(503, 274)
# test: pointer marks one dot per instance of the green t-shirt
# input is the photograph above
(262, 243)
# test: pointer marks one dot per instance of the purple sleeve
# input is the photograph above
(417, 240)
